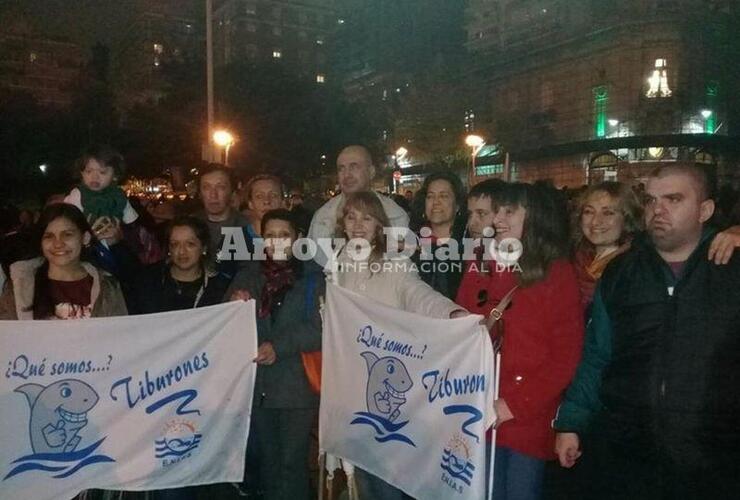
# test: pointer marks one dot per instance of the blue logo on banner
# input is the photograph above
(387, 383)
(58, 414)
(456, 464)
(179, 440)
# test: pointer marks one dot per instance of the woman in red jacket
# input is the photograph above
(542, 331)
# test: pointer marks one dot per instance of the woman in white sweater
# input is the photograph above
(362, 266)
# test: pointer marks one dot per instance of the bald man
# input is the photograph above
(355, 171)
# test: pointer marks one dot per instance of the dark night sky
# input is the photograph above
(84, 21)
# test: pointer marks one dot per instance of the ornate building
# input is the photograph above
(582, 90)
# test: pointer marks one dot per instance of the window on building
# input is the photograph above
(277, 31)
(320, 41)
(158, 48)
(250, 9)
(658, 81)
(33, 57)
(340, 21)
(251, 27)
(276, 12)
(320, 78)
(277, 53)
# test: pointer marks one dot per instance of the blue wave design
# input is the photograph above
(455, 474)
(97, 459)
(387, 424)
(375, 426)
(455, 466)
(83, 458)
(177, 443)
(32, 466)
(163, 452)
(384, 428)
(62, 457)
(395, 437)
(171, 453)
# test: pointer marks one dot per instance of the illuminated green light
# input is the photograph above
(497, 168)
(601, 97)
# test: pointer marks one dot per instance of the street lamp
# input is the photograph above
(224, 139)
(475, 142)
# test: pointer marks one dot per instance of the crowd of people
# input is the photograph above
(618, 322)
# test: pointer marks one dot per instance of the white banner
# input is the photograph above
(406, 397)
(125, 403)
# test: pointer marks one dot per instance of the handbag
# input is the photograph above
(312, 367)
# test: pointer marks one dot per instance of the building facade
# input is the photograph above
(579, 91)
(46, 68)
(295, 33)
(155, 35)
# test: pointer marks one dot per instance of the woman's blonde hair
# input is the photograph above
(627, 203)
(368, 203)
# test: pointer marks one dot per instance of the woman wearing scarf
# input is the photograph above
(284, 409)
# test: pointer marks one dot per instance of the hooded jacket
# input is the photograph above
(17, 298)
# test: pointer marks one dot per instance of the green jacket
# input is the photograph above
(581, 401)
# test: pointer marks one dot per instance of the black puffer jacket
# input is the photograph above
(672, 388)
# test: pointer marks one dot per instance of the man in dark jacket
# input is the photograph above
(658, 385)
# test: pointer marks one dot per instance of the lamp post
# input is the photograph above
(224, 139)
(475, 142)
(400, 156)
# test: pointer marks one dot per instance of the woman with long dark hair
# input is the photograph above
(60, 284)
(439, 216)
(542, 330)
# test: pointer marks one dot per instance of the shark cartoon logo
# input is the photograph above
(58, 414)
(388, 381)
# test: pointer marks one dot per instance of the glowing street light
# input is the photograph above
(475, 142)
(43, 168)
(224, 139)
(706, 113)
(401, 153)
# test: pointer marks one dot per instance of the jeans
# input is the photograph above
(516, 476)
(370, 487)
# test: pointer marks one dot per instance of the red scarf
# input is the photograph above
(279, 277)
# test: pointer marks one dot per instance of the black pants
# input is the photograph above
(624, 472)
(278, 450)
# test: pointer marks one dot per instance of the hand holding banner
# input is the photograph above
(125, 403)
(405, 397)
